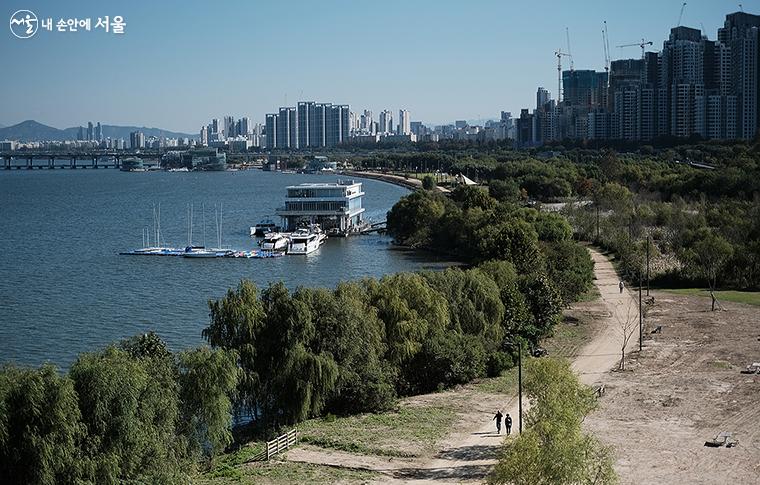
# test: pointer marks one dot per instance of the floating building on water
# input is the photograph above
(209, 159)
(336, 207)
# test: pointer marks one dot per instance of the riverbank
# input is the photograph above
(408, 183)
(449, 436)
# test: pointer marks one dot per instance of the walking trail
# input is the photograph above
(467, 456)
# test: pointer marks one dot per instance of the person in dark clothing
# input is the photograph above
(508, 423)
(498, 417)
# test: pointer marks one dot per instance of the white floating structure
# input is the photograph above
(336, 207)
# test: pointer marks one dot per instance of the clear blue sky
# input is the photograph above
(182, 62)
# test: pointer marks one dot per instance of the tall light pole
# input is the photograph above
(647, 265)
(519, 385)
(641, 317)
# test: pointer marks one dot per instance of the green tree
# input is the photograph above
(411, 310)
(411, 219)
(348, 327)
(553, 448)
(236, 321)
(207, 379)
(297, 378)
(40, 427)
(504, 190)
(512, 240)
(544, 302)
(711, 253)
(473, 299)
(516, 312)
(131, 414)
(469, 197)
(428, 182)
(570, 268)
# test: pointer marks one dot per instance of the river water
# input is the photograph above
(64, 289)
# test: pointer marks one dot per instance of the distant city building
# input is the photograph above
(204, 136)
(99, 132)
(386, 122)
(404, 122)
(229, 127)
(7, 145)
(136, 140)
(90, 131)
(309, 125)
(694, 87)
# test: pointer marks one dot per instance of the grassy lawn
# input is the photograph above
(405, 433)
(590, 295)
(236, 467)
(504, 384)
(747, 297)
(287, 472)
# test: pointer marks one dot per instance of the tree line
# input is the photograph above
(133, 411)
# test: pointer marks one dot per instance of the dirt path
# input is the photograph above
(468, 454)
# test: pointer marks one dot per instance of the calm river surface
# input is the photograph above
(64, 289)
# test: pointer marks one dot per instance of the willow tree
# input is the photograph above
(207, 379)
(236, 321)
(131, 418)
(297, 378)
(40, 427)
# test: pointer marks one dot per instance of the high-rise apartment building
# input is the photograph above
(741, 36)
(386, 122)
(309, 125)
(542, 97)
(404, 122)
(136, 140)
(204, 136)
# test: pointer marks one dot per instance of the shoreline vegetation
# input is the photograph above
(135, 411)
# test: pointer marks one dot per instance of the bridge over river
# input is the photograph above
(76, 159)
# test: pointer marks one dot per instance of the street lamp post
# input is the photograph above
(641, 317)
(519, 386)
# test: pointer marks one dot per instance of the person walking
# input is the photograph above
(621, 286)
(508, 423)
(498, 417)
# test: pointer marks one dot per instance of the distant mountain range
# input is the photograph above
(31, 130)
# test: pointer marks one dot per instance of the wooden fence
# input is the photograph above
(281, 443)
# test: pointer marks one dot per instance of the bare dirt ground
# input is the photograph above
(682, 390)
(471, 449)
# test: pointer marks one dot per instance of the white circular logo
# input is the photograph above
(24, 24)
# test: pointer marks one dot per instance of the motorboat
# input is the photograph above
(275, 241)
(306, 240)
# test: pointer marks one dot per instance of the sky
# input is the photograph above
(180, 63)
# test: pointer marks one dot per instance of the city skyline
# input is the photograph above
(410, 63)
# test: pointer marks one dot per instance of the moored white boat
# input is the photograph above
(275, 241)
(306, 240)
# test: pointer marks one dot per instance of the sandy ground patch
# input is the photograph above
(682, 390)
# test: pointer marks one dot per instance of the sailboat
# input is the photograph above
(204, 252)
(156, 248)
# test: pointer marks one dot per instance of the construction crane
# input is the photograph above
(641, 44)
(606, 45)
(569, 51)
(680, 16)
(559, 55)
